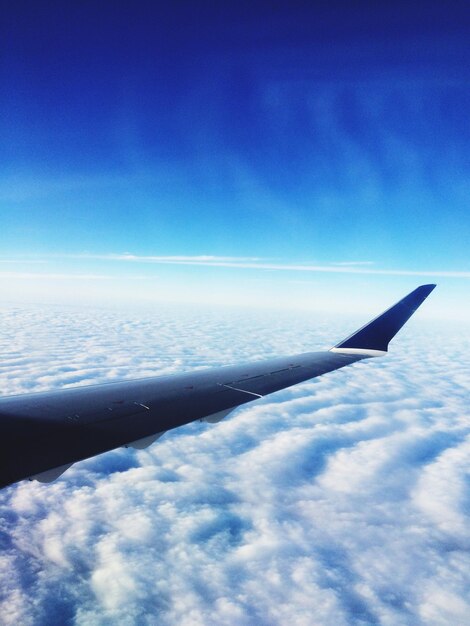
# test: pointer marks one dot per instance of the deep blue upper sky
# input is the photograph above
(292, 132)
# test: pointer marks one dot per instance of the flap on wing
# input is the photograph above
(216, 417)
(145, 442)
(50, 475)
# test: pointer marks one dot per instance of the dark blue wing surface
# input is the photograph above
(42, 434)
(377, 334)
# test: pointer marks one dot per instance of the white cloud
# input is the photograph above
(54, 276)
(252, 263)
(340, 501)
(352, 267)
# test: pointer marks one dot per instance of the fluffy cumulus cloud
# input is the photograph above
(340, 501)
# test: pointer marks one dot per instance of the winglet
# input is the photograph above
(373, 338)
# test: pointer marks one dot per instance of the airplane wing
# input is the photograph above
(42, 434)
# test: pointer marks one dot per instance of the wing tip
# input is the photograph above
(375, 335)
(427, 288)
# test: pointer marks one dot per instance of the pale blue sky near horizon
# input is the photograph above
(311, 157)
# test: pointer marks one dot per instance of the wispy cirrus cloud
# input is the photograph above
(28, 261)
(255, 263)
(55, 276)
(346, 263)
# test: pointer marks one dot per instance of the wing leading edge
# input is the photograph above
(42, 434)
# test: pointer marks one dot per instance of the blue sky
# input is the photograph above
(266, 155)
(282, 135)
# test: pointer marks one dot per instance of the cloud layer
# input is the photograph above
(339, 501)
